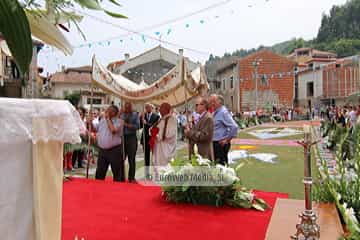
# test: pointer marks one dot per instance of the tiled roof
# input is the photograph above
(73, 75)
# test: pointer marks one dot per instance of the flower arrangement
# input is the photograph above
(343, 186)
(229, 191)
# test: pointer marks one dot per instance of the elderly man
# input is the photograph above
(109, 131)
(131, 125)
(147, 120)
(165, 139)
(201, 133)
(225, 129)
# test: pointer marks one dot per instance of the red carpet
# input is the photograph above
(97, 210)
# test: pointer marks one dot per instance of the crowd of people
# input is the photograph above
(211, 127)
(347, 116)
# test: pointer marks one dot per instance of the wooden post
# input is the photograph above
(89, 133)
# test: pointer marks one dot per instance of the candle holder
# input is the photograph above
(308, 229)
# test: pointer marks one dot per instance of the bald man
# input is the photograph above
(165, 143)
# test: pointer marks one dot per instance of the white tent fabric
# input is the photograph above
(175, 87)
(31, 173)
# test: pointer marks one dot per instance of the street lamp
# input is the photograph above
(256, 64)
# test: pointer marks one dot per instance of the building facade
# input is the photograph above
(310, 88)
(335, 83)
(149, 66)
(12, 84)
(77, 80)
(266, 80)
(227, 85)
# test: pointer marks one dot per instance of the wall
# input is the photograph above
(231, 95)
(280, 89)
(303, 79)
(58, 89)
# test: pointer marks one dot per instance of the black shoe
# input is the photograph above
(133, 181)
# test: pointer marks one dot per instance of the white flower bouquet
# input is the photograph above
(199, 181)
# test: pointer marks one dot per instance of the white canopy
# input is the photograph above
(176, 87)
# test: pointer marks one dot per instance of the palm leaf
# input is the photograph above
(116, 3)
(115, 15)
(16, 30)
(90, 4)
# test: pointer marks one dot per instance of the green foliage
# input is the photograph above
(245, 122)
(343, 188)
(341, 23)
(16, 30)
(73, 98)
(14, 24)
(233, 194)
(342, 47)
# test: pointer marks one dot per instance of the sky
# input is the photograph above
(231, 25)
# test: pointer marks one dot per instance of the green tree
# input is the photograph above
(20, 19)
(73, 98)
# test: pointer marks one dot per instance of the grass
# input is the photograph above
(284, 176)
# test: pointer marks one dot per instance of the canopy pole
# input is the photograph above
(144, 140)
(182, 66)
(89, 132)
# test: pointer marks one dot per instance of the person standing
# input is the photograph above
(109, 132)
(165, 136)
(131, 125)
(225, 129)
(147, 120)
(202, 132)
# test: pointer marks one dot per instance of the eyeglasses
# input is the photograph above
(197, 104)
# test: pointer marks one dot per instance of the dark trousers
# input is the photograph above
(112, 157)
(221, 153)
(147, 157)
(130, 152)
(78, 156)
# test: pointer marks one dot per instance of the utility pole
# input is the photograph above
(256, 64)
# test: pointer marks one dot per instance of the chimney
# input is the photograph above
(62, 68)
(127, 57)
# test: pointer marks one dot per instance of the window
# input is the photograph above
(224, 86)
(217, 85)
(264, 80)
(231, 82)
(310, 89)
(95, 101)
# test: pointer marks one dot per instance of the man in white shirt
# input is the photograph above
(109, 133)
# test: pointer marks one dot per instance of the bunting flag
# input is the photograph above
(160, 33)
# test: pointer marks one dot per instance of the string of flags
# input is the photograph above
(133, 35)
(159, 34)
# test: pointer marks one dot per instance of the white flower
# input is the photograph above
(203, 161)
(350, 213)
(196, 150)
(338, 196)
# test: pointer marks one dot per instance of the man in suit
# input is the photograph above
(201, 133)
(147, 120)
